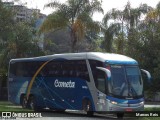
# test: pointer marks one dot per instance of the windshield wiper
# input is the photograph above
(131, 91)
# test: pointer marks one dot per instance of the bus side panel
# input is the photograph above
(16, 87)
(62, 93)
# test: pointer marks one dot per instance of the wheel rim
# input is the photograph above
(31, 103)
(86, 106)
(24, 105)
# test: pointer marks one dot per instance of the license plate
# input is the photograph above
(129, 109)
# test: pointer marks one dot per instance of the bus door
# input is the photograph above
(101, 84)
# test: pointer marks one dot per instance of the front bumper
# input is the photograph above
(126, 107)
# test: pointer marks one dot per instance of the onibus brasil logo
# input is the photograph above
(14, 115)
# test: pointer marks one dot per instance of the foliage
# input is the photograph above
(136, 37)
(76, 15)
(17, 39)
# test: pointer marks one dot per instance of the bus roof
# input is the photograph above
(110, 58)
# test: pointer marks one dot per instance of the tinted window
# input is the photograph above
(24, 69)
(93, 65)
(68, 68)
(100, 80)
(52, 69)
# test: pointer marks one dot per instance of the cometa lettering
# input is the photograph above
(69, 84)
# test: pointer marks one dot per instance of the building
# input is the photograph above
(8, 4)
(25, 14)
(22, 13)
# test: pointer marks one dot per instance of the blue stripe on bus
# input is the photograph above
(125, 101)
(121, 62)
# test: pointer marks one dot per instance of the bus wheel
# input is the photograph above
(120, 115)
(24, 102)
(31, 103)
(87, 107)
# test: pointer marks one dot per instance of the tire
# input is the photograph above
(24, 102)
(32, 104)
(87, 107)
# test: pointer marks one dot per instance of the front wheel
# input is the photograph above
(87, 107)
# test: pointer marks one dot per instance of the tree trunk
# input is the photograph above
(73, 41)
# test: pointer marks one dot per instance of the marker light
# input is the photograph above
(141, 103)
(113, 102)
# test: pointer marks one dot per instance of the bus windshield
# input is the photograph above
(126, 81)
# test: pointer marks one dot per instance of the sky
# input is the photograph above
(106, 5)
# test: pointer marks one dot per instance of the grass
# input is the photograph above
(152, 109)
(9, 107)
(149, 118)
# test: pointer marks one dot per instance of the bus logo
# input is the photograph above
(69, 84)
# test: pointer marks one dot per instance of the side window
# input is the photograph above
(93, 65)
(12, 71)
(100, 79)
(32, 67)
(68, 68)
(81, 70)
(98, 75)
(20, 69)
(26, 69)
(52, 69)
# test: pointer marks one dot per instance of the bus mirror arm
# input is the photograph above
(148, 75)
(108, 72)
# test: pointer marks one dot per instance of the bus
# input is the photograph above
(91, 81)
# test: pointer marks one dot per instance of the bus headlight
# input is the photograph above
(113, 102)
(141, 103)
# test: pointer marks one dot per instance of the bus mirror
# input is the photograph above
(108, 72)
(147, 74)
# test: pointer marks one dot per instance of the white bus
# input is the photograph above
(92, 81)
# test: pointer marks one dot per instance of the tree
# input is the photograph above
(128, 21)
(113, 30)
(132, 17)
(76, 15)
(149, 36)
(109, 33)
(16, 38)
(6, 28)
